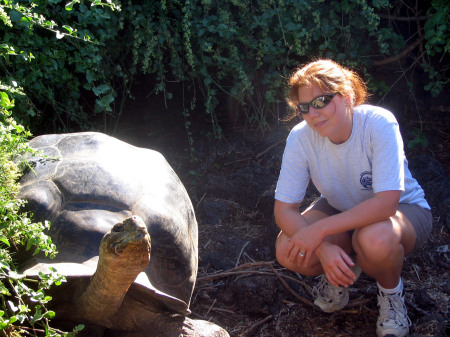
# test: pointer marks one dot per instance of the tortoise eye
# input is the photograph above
(119, 227)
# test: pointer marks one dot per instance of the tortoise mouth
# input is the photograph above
(140, 238)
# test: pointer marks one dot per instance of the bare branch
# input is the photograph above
(397, 57)
(404, 18)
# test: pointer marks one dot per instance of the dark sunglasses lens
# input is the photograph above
(321, 102)
(316, 103)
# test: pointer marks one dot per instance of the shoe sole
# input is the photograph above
(379, 334)
(331, 310)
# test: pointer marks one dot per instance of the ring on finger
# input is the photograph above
(301, 254)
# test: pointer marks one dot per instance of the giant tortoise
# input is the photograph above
(108, 202)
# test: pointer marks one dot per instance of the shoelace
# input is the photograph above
(325, 289)
(393, 308)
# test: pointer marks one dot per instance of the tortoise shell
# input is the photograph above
(85, 183)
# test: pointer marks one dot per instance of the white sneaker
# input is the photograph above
(330, 298)
(393, 320)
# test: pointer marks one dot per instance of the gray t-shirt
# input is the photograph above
(372, 160)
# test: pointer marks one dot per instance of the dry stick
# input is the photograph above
(270, 148)
(242, 250)
(214, 302)
(398, 56)
(404, 18)
(304, 300)
(415, 307)
(236, 271)
(218, 310)
(201, 199)
(249, 257)
(232, 273)
(237, 161)
(253, 264)
(401, 76)
(358, 301)
(254, 326)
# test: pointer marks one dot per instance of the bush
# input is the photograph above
(53, 49)
(77, 68)
(17, 229)
(243, 50)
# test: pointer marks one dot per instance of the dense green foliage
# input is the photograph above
(437, 37)
(243, 50)
(77, 62)
(53, 49)
(23, 302)
(17, 229)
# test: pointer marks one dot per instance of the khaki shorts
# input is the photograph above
(420, 218)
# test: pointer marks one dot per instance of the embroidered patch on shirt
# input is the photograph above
(366, 180)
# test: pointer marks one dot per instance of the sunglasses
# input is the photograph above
(317, 103)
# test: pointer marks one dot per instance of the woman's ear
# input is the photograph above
(349, 100)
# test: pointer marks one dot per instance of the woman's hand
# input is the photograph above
(303, 244)
(336, 264)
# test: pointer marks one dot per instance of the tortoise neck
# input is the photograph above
(108, 286)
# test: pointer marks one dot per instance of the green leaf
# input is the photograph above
(5, 241)
(5, 101)
(290, 27)
(69, 29)
(101, 89)
(15, 15)
(37, 316)
(69, 5)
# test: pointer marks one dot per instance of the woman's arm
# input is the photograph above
(335, 261)
(380, 207)
(288, 217)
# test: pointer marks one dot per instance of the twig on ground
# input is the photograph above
(357, 302)
(237, 161)
(201, 199)
(240, 254)
(416, 308)
(237, 271)
(269, 148)
(254, 326)
(227, 311)
(304, 300)
(249, 257)
(212, 305)
(252, 265)
(232, 273)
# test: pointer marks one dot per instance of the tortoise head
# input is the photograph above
(127, 243)
(124, 253)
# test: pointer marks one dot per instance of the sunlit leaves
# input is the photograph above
(17, 229)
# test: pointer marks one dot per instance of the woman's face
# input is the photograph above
(333, 121)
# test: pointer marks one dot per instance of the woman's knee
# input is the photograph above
(281, 250)
(281, 253)
(376, 241)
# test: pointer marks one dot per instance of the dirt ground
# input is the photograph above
(240, 286)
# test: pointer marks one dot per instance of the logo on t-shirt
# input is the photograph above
(366, 180)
